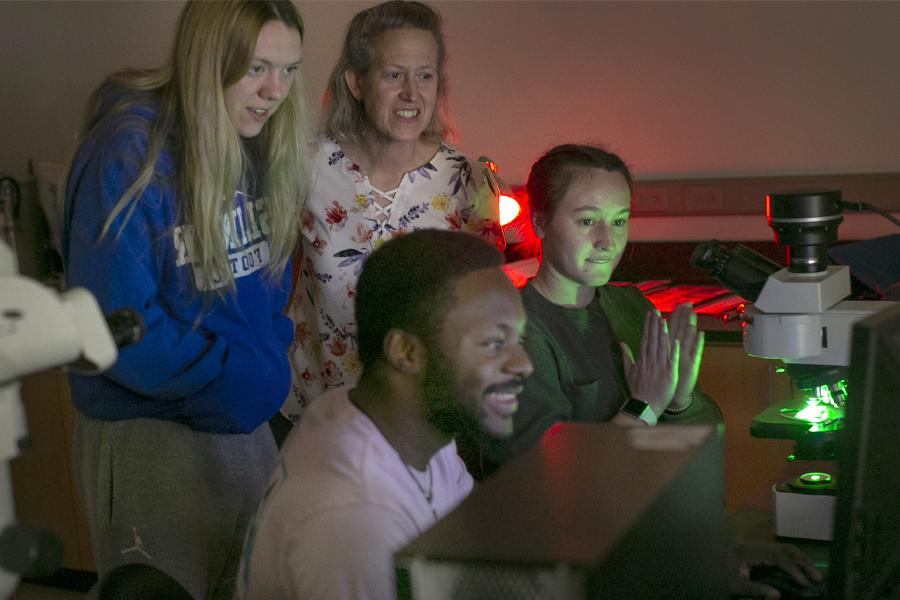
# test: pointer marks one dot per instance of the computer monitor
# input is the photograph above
(594, 511)
(865, 558)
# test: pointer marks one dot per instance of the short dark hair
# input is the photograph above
(553, 173)
(406, 284)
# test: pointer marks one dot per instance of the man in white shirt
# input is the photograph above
(370, 468)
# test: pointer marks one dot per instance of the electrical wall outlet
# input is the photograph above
(650, 200)
(703, 198)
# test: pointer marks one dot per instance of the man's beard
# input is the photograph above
(445, 407)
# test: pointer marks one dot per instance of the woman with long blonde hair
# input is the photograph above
(183, 204)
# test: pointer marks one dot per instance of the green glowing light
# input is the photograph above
(832, 395)
(813, 412)
(816, 477)
(823, 407)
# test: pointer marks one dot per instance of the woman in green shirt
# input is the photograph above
(601, 352)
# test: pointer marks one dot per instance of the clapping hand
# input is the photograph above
(653, 377)
(684, 333)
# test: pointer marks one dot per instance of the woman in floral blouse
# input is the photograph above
(382, 169)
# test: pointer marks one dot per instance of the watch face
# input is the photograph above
(635, 407)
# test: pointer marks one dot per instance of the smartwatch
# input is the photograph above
(640, 410)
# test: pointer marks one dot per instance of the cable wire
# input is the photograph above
(866, 207)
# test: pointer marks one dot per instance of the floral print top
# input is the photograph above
(345, 219)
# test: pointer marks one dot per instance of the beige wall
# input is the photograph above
(679, 89)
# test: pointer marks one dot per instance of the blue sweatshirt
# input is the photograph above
(216, 364)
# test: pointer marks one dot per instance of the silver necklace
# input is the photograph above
(427, 494)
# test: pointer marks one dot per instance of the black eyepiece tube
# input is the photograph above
(740, 269)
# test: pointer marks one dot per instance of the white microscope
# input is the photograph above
(800, 317)
(41, 328)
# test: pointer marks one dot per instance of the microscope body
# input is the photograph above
(40, 328)
(800, 317)
(802, 320)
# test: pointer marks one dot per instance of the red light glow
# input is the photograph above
(509, 209)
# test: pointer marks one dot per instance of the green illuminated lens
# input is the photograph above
(817, 478)
(833, 395)
(813, 412)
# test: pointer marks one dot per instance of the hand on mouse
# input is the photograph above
(743, 556)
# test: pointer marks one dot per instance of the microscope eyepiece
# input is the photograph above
(740, 269)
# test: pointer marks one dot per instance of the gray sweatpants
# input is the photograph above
(161, 493)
